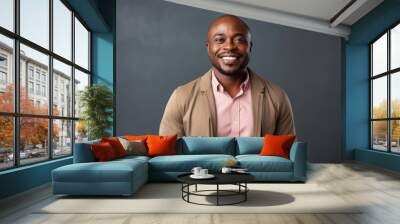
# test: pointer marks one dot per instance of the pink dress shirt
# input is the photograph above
(234, 114)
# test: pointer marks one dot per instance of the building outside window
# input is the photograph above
(59, 134)
(385, 91)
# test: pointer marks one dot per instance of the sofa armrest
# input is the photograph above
(83, 152)
(298, 155)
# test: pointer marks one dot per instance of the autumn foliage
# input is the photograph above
(380, 127)
(33, 131)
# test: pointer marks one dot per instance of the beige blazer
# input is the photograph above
(191, 110)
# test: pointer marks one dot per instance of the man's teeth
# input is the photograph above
(229, 58)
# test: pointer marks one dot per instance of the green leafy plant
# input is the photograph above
(96, 102)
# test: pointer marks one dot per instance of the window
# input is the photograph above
(3, 61)
(30, 72)
(62, 74)
(385, 91)
(3, 72)
(43, 90)
(7, 14)
(7, 71)
(38, 74)
(62, 29)
(34, 21)
(3, 78)
(30, 87)
(38, 89)
(81, 45)
(44, 131)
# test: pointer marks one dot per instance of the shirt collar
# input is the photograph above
(219, 88)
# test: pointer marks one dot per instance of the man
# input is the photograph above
(230, 99)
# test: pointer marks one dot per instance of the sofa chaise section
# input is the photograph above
(87, 177)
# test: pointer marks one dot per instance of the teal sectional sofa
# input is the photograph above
(125, 176)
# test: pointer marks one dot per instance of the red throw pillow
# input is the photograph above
(277, 145)
(103, 151)
(116, 145)
(136, 137)
(161, 145)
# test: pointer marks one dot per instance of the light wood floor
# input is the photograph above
(353, 182)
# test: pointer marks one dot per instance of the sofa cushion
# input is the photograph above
(207, 145)
(249, 145)
(185, 163)
(132, 158)
(257, 163)
(111, 171)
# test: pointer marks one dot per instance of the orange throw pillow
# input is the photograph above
(277, 145)
(116, 145)
(161, 145)
(103, 151)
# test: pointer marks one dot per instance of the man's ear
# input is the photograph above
(207, 46)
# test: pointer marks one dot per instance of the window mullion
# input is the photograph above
(371, 89)
(389, 106)
(16, 84)
(50, 79)
(73, 82)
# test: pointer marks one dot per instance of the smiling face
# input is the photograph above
(229, 45)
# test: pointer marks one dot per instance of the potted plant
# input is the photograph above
(96, 102)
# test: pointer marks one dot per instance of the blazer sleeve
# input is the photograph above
(285, 121)
(172, 120)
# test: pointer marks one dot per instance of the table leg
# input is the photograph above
(245, 193)
(188, 190)
(217, 194)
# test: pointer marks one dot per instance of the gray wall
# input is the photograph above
(161, 45)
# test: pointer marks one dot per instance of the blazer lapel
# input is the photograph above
(208, 96)
(257, 97)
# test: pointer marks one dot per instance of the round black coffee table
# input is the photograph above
(238, 179)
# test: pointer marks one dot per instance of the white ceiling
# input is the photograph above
(319, 9)
(313, 15)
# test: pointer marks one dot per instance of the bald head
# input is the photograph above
(228, 20)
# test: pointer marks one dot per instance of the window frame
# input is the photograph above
(16, 114)
(388, 74)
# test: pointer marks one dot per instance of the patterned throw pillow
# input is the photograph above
(133, 147)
